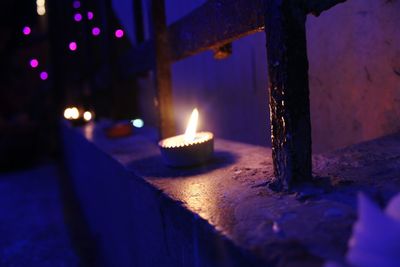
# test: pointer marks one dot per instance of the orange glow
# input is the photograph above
(191, 128)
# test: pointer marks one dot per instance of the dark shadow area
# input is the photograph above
(83, 242)
(27, 99)
(155, 167)
(32, 229)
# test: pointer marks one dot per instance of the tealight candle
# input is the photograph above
(78, 117)
(191, 148)
(71, 113)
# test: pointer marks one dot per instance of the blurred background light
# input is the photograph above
(26, 30)
(41, 7)
(96, 31)
(74, 113)
(90, 15)
(73, 46)
(78, 17)
(87, 116)
(34, 63)
(44, 75)
(138, 123)
(119, 33)
(76, 4)
(41, 10)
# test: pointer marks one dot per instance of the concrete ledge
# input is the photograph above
(146, 214)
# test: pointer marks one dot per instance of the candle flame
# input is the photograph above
(191, 128)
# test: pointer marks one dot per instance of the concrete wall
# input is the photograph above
(354, 52)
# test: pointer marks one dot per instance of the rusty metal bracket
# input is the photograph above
(222, 52)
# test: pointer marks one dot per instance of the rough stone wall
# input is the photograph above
(354, 54)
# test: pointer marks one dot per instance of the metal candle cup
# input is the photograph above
(188, 149)
(178, 153)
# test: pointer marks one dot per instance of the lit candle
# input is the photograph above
(71, 113)
(68, 113)
(188, 149)
(87, 115)
(78, 116)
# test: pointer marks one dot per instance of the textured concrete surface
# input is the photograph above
(354, 54)
(32, 228)
(133, 222)
(303, 228)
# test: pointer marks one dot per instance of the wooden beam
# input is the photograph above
(316, 7)
(212, 25)
(288, 92)
(138, 23)
(162, 70)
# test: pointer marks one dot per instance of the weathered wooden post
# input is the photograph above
(288, 92)
(288, 87)
(162, 69)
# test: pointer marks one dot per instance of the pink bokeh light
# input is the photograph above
(96, 31)
(26, 30)
(78, 17)
(90, 15)
(44, 75)
(76, 4)
(34, 63)
(73, 46)
(119, 33)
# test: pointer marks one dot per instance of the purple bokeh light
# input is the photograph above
(90, 15)
(76, 4)
(78, 17)
(26, 30)
(119, 33)
(73, 46)
(96, 31)
(44, 75)
(34, 63)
